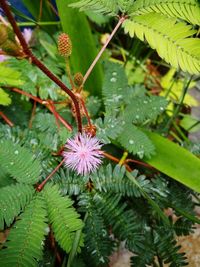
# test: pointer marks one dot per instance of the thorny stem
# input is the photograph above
(40, 186)
(122, 19)
(38, 63)
(46, 103)
(8, 121)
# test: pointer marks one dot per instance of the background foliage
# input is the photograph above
(149, 197)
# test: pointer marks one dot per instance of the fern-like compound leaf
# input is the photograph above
(25, 241)
(136, 141)
(98, 244)
(188, 10)
(125, 224)
(172, 40)
(115, 181)
(144, 108)
(19, 162)
(13, 199)
(63, 217)
(111, 7)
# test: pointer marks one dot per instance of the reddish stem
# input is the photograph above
(9, 122)
(40, 186)
(139, 163)
(46, 103)
(55, 113)
(107, 155)
(38, 63)
(32, 114)
(86, 112)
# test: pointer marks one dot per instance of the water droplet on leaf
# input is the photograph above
(113, 80)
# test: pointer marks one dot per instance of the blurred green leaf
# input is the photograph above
(175, 161)
(5, 100)
(76, 25)
(10, 77)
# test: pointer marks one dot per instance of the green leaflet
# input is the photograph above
(25, 241)
(10, 77)
(134, 140)
(188, 10)
(62, 216)
(76, 25)
(19, 162)
(175, 161)
(13, 199)
(5, 100)
(172, 40)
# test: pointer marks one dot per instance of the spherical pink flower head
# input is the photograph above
(83, 153)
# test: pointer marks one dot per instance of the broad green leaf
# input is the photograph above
(175, 161)
(76, 25)
(10, 77)
(5, 100)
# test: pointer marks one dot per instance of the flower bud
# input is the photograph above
(78, 79)
(11, 48)
(3, 34)
(64, 45)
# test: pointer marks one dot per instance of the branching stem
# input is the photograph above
(38, 63)
(122, 19)
(46, 103)
(6, 119)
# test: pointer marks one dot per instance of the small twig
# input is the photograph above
(8, 121)
(53, 8)
(107, 155)
(40, 186)
(38, 63)
(40, 10)
(43, 102)
(85, 111)
(55, 113)
(122, 19)
(68, 71)
(139, 163)
(32, 115)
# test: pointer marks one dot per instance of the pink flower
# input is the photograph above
(83, 153)
(27, 33)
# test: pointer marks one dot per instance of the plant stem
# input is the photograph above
(123, 158)
(178, 108)
(68, 71)
(32, 115)
(41, 23)
(38, 63)
(9, 122)
(116, 160)
(43, 102)
(122, 19)
(40, 186)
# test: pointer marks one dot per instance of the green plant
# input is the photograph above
(52, 214)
